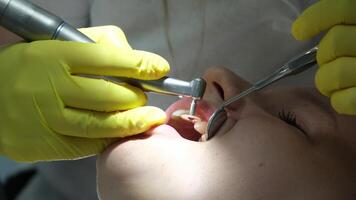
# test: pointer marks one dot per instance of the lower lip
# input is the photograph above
(186, 128)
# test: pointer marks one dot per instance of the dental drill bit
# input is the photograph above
(193, 106)
(198, 89)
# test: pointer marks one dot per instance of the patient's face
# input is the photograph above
(308, 154)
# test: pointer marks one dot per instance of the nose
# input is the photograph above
(223, 84)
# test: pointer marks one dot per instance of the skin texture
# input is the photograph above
(255, 155)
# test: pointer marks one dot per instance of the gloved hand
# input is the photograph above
(336, 77)
(47, 113)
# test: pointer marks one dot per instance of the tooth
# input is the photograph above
(201, 127)
(203, 138)
(178, 113)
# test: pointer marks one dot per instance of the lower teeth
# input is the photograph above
(201, 127)
(197, 123)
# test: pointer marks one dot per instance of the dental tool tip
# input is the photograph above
(193, 107)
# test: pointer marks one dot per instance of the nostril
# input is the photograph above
(219, 89)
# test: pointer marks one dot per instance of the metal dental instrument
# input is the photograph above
(166, 85)
(295, 66)
(32, 22)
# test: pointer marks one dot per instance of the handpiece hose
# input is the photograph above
(32, 22)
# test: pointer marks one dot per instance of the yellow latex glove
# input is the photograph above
(336, 77)
(49, 114)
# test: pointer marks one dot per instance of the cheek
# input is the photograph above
(265, 134)
(263, 150)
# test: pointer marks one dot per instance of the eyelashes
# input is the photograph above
(290, 118)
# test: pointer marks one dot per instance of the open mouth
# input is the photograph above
(188, 126)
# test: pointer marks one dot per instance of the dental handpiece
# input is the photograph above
(32, 22)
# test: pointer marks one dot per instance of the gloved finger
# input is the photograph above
(322, 16)
(104, 60)
(336, 75)
(107, 35)
(71, 148)
(99, 95)
(77, 148)
(344, 101)
(338, 42)
(97, 59)
(90, 124)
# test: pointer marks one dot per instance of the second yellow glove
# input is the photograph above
(336, 77)
(47, 113)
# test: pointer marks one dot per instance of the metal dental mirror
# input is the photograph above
(295, 66)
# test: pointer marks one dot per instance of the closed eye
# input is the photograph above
(291, 119)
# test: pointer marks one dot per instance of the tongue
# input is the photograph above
(185, 124)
